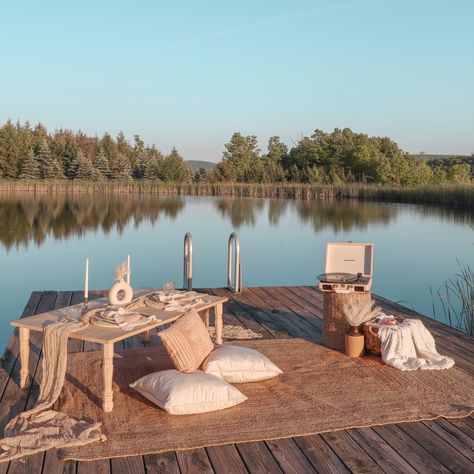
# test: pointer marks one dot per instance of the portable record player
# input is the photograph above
(348, 268)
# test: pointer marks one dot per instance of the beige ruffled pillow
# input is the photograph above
(187, 342)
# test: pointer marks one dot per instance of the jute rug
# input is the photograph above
(321, 390)
(231, 333)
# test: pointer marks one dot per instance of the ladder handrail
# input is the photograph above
(188, 262)
(234, 244)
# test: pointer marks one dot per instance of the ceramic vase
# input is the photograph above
(120, 293)
(355, 343)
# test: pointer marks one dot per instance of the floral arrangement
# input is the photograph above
(357, 313)
(120, 271)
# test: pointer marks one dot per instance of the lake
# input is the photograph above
(45, 239)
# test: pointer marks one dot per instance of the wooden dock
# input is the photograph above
(434, 446)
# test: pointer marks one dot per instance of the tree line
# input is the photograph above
(338, 157)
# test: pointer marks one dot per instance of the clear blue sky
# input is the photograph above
(191, 73)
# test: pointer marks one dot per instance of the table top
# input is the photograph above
(101, 334)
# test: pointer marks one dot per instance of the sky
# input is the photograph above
(189, 74)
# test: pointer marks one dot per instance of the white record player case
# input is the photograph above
(349, 257)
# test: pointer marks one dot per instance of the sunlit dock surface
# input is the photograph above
(274, 312)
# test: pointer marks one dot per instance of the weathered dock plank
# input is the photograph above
(275, 312)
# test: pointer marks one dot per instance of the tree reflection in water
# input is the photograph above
(335, 215)
(338, 215)
(240, 211)
(344, 215)
(28, 217)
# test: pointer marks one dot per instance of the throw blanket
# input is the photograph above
(410, 346)
(41, 428)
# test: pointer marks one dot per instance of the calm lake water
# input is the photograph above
(45, 239)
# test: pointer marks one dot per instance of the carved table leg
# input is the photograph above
(24, 355)
(108, 371)
(218, 322)
(146, 336)
(206, 317)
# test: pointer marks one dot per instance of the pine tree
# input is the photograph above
(50, 168)
(139, 158)
(84, 168)
(73, 166)
(122, 168)
(152, 170)
(102, 164)
(141, 165)
(154, 160)
(55, 170)
(29, 168)
(9, 150)
(174, 169)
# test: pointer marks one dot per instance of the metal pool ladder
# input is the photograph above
(234, 247)
(188, 262)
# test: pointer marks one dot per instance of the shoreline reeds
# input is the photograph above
(456, 195)
(457, 300)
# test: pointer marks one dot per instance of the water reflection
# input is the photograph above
(276, 209)
(28, 217)
(31, 218)
(341, 216)
(240, 211)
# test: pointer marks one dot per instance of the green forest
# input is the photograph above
(339, 157)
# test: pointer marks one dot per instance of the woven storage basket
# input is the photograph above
(335, 326)
(372, 339)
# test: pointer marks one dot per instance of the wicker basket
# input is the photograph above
(335, 325)
(372, 339)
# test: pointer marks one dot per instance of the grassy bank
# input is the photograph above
(456, 195)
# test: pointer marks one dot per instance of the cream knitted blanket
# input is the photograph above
(410, 346)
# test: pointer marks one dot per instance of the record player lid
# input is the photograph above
(349, 257)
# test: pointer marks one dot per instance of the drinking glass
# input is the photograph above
(169, 286)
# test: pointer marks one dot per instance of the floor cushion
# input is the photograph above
(185, 394)
(239, 364)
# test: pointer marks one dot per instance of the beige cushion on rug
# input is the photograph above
(187, 394)
(237, 364)
(187, 342)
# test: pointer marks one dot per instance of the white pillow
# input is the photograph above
(239, 364)
(185, 394)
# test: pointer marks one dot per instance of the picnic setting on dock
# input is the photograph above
(237, 237)
(356, 365)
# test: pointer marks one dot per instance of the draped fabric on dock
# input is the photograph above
(41, 428)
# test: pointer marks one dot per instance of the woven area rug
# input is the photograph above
(231, 333)
(321, 390)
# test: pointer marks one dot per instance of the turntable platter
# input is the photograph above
(337, 277)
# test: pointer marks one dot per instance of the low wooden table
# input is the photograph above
(108, 336)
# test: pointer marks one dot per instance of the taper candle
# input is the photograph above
(86, 283)
(128, 269)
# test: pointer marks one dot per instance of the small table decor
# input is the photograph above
(108, 335)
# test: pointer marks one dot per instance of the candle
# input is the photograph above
(86, 283)
(128, 269)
